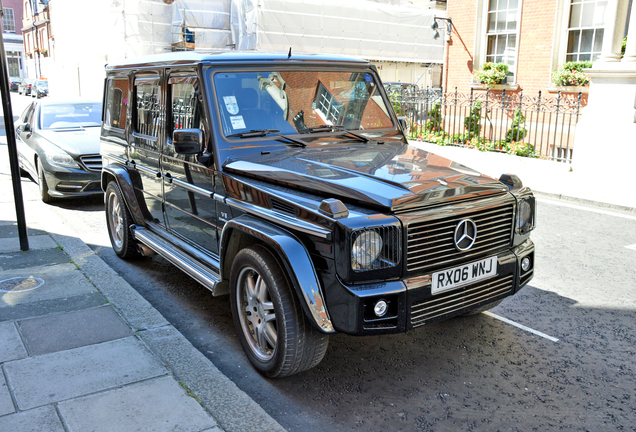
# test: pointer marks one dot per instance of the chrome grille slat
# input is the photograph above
(452, 222)
(430, 243)
(447, 303)
(482, 239)
(92, 162)
(473, 251)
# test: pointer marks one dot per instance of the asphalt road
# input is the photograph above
(470, 373)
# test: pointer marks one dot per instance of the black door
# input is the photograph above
(188, 179)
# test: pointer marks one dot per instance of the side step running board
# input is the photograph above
(204, 275)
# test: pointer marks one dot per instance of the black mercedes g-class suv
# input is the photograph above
(287, 182)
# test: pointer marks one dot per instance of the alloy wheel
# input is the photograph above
(256, 313)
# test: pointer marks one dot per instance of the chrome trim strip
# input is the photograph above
(116, 158)
(144, 169)
(190, 187)
(291, 223)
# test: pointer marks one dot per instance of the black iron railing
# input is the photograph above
(541, 127)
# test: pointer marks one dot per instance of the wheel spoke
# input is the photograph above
(270, 334)
(260, 336)
(250, 287)
(261, 289)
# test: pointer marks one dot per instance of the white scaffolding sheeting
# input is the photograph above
(360, 28)
(357, 27)
(208, 20)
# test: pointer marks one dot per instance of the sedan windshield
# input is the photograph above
(292, 102)
(70, 115)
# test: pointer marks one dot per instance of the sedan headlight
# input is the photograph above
(525, 216)
(61, 160)
(375, 248)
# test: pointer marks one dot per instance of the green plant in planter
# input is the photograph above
(436, 118)
(517, 131)
(472, 123)
(571, 74)
(492, 73)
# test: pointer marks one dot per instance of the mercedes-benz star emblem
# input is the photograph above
(465, 234)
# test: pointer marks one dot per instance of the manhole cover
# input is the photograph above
(18, 284)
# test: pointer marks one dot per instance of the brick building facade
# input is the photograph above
(533, 37)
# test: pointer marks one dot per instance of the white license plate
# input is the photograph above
(463, 275)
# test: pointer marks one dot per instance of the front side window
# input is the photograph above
(502, 33)
(148, 107)
(585, 29)
(8, 20)
(297, 101)
(186, 108)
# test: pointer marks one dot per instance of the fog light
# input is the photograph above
(380, 308)
(525, 264)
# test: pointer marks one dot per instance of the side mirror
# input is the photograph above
(187, 141)
(404, 125)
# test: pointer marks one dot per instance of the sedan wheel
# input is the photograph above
(118, 221)
(275, 334)
(44, 187)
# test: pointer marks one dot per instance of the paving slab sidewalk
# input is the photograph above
(81, 350)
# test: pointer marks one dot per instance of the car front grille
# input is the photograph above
(431, 245)
(443, 305)
(92, 162)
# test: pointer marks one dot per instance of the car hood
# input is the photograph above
(74, 141)
(392, 175)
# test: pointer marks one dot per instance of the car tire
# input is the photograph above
(484, 308)
(43, 185)
(276, 336)
(118, 221)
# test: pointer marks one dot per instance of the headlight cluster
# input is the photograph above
(525, 215)
(375, 248)
(61, 160)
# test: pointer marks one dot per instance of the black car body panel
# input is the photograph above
(375, 236)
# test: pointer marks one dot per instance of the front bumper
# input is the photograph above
(69, 183)
(411, 303)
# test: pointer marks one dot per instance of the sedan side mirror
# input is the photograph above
(187, 141)
(404, 125)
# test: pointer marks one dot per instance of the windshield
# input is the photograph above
(43, 83)
(70, 115)
(293, 102)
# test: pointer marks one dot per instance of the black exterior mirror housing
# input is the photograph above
(187, 141)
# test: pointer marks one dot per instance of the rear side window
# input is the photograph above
(116, 103)
(147, 106)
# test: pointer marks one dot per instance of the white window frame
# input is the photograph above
(481, 37)
(5, 19)
(567, 30)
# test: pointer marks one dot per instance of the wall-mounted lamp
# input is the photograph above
(448, 22)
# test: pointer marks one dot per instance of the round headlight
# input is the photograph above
(366, 248)
(524, 216)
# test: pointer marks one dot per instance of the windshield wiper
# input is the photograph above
(334, 128)
(264, 132)
(253, 133)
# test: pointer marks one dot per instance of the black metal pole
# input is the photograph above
(13, 152)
